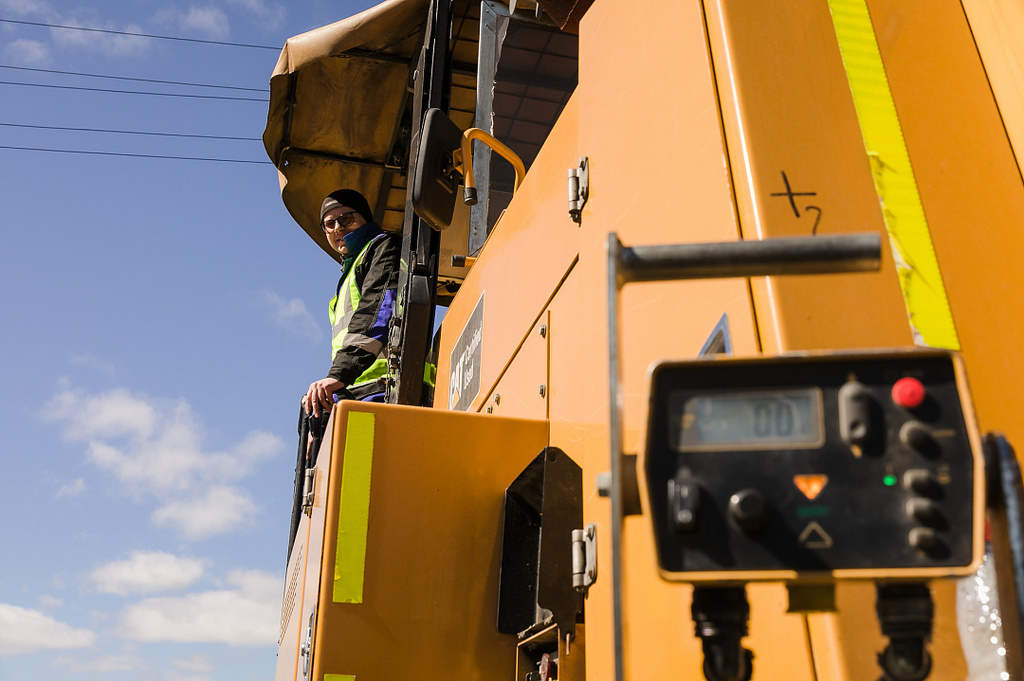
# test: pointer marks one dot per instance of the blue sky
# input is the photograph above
(160, 319)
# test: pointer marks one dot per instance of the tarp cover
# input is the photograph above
(336, 100)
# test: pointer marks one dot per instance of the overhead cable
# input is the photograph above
(116, 153)
(139, 35)
(139, 80)
(132, 132)
(136, 92)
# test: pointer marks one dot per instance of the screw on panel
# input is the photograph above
(543, 331)
(541, 389)
(497, 398)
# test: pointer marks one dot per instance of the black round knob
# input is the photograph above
(915, 434)
(748, 509)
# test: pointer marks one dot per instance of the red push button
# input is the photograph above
(908, 392)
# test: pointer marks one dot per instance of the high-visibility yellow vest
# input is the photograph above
(349, 296)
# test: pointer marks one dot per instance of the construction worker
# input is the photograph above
(361, 310)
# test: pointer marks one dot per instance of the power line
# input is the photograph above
(132, 132)
(139, 35)
(116, 153)
(139, 80)
(136, 92)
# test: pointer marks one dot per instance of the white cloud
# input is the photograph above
(270, 14)
(147, 572)
(246, 615)
(208, 21)
(220, 510)
(24, 52)
(91, 361)
(71, 489)
(155, 447)
(46, 601)
(199, 664)
(154, 443)
(100, 665)
(293, 315)
(110, 415)
(23, 8)
(29, 631)
(108, 44)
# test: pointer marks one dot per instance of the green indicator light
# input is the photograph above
(889, 480)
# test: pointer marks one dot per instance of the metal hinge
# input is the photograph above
(584, 558)
(308, 491)
(579, 189)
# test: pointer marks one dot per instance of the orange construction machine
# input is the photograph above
(727, 375)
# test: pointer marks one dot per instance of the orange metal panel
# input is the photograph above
(658, 174)
(800, 168)
(522, 390)
(530, 250)
(428, 599)
(567, 406)
(661, 161)
(998, 27)
(971, 190)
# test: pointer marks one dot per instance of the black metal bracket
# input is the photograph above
(1005, 497)
(906, 613)
(720, 617)
(543, 506)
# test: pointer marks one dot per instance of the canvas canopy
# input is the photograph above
(337, 97)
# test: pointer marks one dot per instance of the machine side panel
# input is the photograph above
(970, 187)
(529, 251)
(303, 576)
(800, 169)
(772, 61)
(997, 26)
(422, 602)
(649, 123)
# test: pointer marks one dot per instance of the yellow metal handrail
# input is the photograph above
(463, 159)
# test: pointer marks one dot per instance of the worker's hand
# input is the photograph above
(319, 395)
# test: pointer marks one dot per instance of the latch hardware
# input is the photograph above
(579, 189)
(307, 491)
(306, 649)
(584, 558)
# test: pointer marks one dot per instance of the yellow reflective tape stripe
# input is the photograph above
(923, 291)
(354, 509)
(339, 677)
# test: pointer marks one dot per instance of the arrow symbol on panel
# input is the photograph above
(815, 537)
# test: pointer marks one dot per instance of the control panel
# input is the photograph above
(830, 466)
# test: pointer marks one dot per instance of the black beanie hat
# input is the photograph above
(349, 198)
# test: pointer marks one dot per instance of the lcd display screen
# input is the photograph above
(769, 419)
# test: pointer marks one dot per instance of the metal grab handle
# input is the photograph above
(768, 257)
(465, 163)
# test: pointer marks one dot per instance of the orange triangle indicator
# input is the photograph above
(810, 485)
